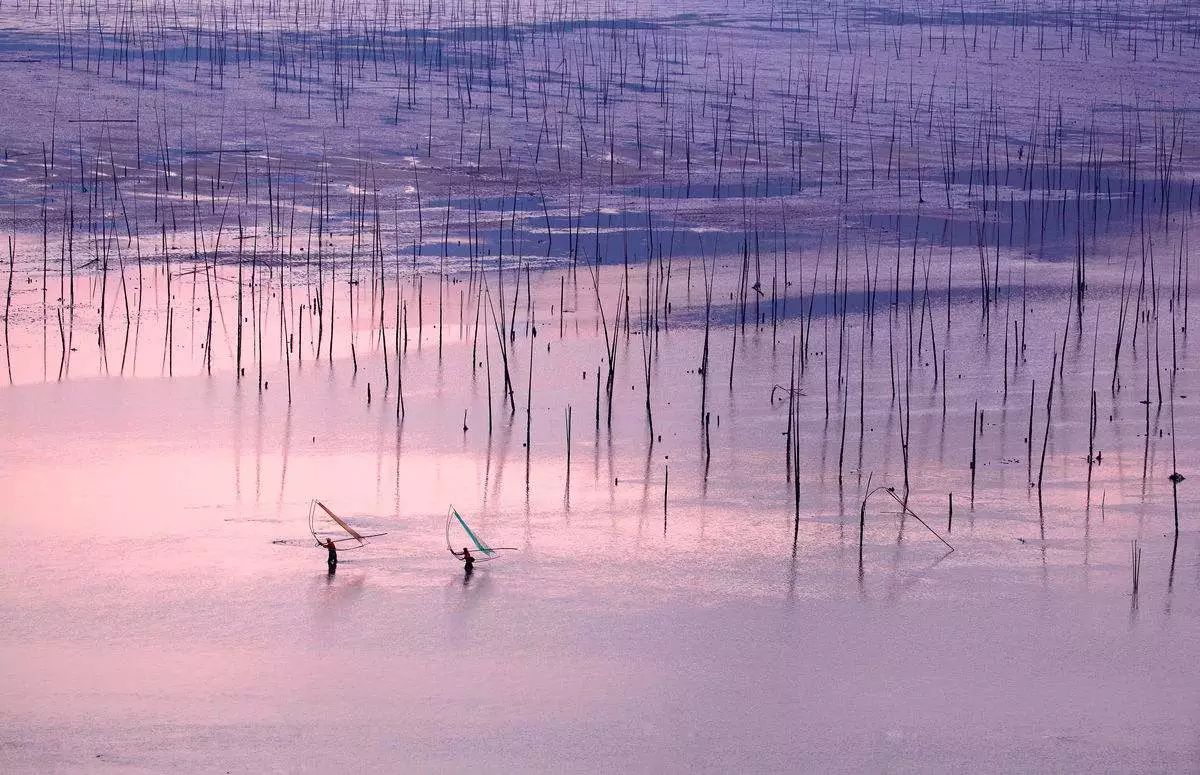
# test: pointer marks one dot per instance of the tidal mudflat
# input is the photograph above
(826, 365)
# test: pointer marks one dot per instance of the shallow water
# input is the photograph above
(154, 623)
(676, 601)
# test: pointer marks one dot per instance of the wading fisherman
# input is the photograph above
(468, 560)
(332, 562)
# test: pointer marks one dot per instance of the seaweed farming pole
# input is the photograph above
(1136, 556)
(1046, 436)
(844, 393)
(666, 483)
(1029, 434)
(240, 293)
(647, 362)
(8, 306)
(487, 355)
(529, 411)
(794, 425)
(707, 443)
(400, 311)
(568, 468)
(283, 335)
(501, 340)
(1175, 476)
(975, 433)
(862, 518)
(708, 289)
(787, 433)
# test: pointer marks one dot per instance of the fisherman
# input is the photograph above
(332, 554)
(468, 560)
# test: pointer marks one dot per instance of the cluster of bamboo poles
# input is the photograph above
(532, 143)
